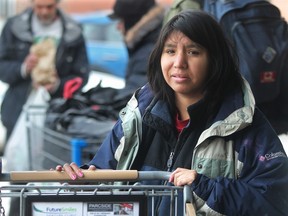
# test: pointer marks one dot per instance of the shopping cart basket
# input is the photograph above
(102, 198)
(48, 148)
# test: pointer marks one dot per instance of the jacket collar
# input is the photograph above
(235, 120)
(21, 27)
(235, 113)
(150, 21)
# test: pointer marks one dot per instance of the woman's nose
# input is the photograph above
(180, 61)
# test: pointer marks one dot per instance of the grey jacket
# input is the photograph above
(15, 42)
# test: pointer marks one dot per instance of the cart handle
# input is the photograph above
(96, 175)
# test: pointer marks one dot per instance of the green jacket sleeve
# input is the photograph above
(179, 5)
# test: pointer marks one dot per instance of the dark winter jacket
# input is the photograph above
(15, 42)
(241, 164)
(140, 40)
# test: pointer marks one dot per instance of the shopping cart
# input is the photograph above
(44, 194)
(48, 148)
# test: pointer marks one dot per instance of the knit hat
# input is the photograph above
(131, 11)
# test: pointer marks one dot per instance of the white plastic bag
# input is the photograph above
(19, 154)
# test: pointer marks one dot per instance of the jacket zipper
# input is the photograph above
(172, 153)
(169, 166)
(170, 161)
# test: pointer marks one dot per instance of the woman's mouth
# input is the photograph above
(179, 77)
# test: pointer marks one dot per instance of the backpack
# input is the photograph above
(260, 36)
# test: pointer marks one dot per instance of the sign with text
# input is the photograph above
(96, 205)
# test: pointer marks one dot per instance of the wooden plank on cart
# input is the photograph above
(96, 175)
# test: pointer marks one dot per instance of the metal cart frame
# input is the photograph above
(107, 189)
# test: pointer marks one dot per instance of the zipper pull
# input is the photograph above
(170, 161)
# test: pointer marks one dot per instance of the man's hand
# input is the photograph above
(181, 177)
(30, 62)
(55, 82)
(51, 84)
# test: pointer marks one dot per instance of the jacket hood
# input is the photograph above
(149, 22)
(235, 120)
(21, 27)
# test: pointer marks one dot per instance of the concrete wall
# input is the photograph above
(79, 6)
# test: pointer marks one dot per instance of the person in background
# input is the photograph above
(21, 56)
(44, 20)
(197, 119)
(140, 23)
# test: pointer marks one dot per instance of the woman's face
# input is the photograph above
(184, 66)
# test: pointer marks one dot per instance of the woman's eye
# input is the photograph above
(193, 52)
(169, 51)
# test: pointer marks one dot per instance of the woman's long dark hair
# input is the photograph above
(223, 75)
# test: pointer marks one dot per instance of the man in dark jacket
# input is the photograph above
(43, 20)
(17, 62)
(140, 23)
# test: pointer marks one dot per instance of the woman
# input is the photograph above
(197, 118)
